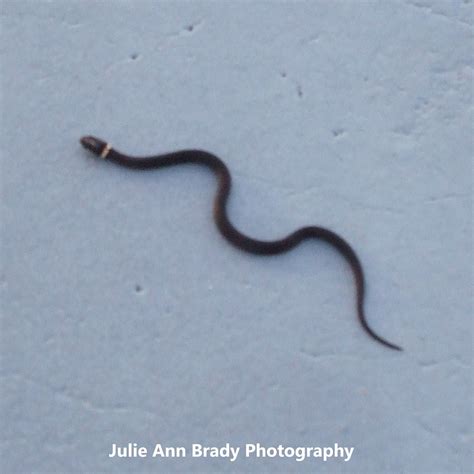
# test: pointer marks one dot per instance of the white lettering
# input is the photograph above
(132, 450)
(227, 451)
(349, 452)
(169, 451)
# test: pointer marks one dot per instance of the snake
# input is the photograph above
(243, 242)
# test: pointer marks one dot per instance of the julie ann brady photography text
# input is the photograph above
(232, 453)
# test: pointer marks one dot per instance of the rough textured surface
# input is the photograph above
(127, 318)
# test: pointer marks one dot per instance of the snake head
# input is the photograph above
(95, 145)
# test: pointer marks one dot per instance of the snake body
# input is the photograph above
(227, 229)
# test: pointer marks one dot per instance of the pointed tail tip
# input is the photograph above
(393, 346)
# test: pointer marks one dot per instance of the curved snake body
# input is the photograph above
(227, 229)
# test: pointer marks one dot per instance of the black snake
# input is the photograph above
(236, 238)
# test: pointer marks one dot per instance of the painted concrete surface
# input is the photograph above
(126, 318)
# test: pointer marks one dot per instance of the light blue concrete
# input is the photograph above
(127, 318)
